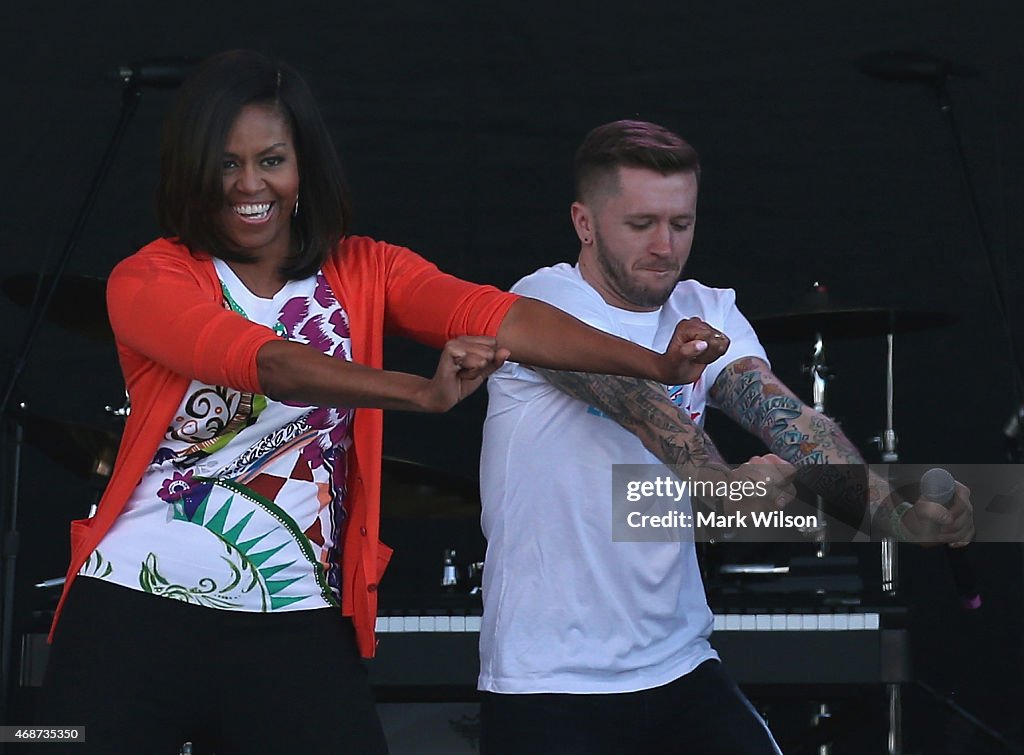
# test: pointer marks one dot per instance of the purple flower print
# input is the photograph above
(191, 493)
(176, 487)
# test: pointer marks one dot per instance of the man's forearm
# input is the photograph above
(830, 465)
(790, 428)
(643, 408)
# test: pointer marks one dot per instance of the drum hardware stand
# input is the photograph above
(887, 443)
(131, 91)
(820, 374)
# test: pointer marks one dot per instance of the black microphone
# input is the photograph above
(160, 73)
(939, 486)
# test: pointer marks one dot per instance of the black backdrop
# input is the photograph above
(457, 122)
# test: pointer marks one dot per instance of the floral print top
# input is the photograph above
(243, 505)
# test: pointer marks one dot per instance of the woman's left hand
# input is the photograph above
(464, 365)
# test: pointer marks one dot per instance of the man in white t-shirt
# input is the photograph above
(590, 645)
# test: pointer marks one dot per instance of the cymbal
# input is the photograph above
(82, 449)
(846, 322)
(410, 490)
(79, 304)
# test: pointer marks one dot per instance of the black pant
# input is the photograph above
(703, 713)
(144, 674)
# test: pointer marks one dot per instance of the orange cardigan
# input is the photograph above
(170, 325)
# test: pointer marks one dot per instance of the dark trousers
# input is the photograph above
(703, 713)
(144, 674)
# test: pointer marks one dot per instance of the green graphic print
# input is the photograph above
(259, 541)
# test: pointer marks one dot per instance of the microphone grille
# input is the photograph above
(938, 485)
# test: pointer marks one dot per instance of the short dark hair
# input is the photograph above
(191, 194)
(637, 144)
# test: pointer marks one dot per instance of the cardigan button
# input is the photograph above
(362, 531)
(372, 587)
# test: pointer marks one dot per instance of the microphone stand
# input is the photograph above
(929, 69)
(131, 91)
(1014, 443)
(945, 102)
(908, 67)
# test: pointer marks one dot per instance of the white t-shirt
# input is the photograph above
(243, 505)
(566, 609)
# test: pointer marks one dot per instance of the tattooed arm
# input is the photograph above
(749, 393)
(643, 408)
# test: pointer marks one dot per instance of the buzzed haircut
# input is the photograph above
(636, 144)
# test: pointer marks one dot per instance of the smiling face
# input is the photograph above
(261, 183)
(637, 230)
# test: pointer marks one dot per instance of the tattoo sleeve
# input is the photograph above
(758, 401)
(643, 408)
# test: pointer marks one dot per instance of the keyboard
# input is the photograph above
(844, 645)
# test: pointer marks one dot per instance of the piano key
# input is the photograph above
(794, 622)
(428, 623)
(856, 621)
(748, 622)
(808, 621)
(778, 621)
(412, 623)
(842, 621)
(396, 624)
(763, 622)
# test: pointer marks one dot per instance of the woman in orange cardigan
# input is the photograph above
(247, 484)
